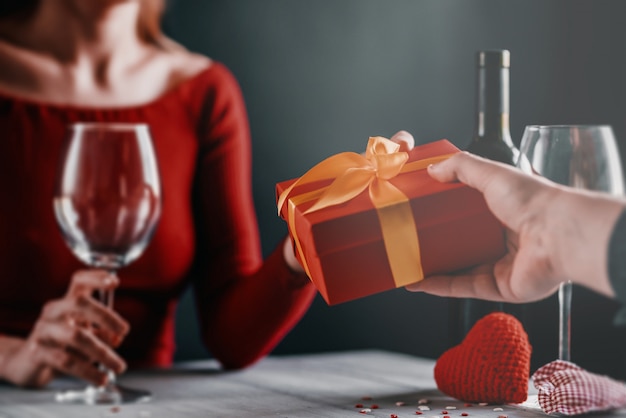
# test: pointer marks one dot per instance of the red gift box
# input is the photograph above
(365, 224)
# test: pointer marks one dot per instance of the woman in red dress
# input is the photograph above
(63, 61)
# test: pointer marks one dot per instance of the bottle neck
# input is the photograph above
(493, 104)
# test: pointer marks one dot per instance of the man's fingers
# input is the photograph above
(470, 169)
(476, 283)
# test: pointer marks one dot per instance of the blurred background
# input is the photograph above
(320, 77)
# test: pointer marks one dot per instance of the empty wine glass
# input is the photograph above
(107, 202)
(581, 156)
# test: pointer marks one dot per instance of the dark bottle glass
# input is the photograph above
(492, 139)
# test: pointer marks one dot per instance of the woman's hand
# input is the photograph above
(405, 139)
(72, 336)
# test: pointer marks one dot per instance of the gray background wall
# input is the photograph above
(320, 77)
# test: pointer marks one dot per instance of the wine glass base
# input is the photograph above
(104, 395)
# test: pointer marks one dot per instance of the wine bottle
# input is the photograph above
(492, 136)
(491, 139)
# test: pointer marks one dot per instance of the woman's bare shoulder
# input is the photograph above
(185, 64)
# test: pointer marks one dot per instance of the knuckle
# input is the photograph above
(100, 353)
(39, 329)
(77, 336)
(63, 360)
(35, 352)
(48, 308)
(79, 280)
(77, 276)
(74, 281)
(125, 326)
(83, 301)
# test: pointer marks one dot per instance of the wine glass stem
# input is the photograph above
(565, 303)
(106, 298)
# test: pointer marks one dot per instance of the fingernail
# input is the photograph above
(116, 341)
(110, 279)
(104, 379)
(415, 287)
(121, 368)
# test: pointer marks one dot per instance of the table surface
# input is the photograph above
(315, 385)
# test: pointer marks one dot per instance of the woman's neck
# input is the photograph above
(84, 37)
(93, 33)
(88, 53)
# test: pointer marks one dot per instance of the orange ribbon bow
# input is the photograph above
(352, 174)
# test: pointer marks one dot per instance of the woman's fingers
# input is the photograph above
(80, 306)
(79, 340)
(88, 281)
(404, 139)
(37, 360)
(84, 310)
(77, 332)
(69, 363)
(72, 336)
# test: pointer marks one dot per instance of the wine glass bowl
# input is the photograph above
(107, 203)
(580, 156)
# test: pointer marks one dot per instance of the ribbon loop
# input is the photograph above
(378, 145)
(352, 172)
(346, 187)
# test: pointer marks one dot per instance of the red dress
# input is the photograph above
(207, 235)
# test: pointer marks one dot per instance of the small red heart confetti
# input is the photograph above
(492, 363)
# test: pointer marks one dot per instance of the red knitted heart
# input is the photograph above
(492, 364)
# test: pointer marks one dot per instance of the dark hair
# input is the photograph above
(148, 26)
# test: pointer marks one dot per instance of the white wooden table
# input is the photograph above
(316, 385)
